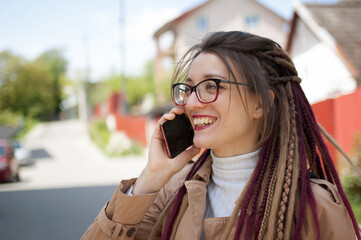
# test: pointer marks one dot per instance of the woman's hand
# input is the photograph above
(160, 168)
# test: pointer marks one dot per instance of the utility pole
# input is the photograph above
(83, 107)
(123, 98)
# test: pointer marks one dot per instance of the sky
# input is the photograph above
(89, 31)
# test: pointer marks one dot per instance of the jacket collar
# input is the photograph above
(204, 173)
(196, 196)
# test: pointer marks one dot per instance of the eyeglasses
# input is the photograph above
(206, 90)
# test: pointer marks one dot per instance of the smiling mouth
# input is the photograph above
(203, 121)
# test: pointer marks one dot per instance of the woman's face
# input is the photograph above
(230, 128)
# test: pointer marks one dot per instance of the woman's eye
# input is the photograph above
(211, 86)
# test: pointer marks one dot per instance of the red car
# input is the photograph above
(9, 166)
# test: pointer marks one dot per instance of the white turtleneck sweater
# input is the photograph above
(229, 177)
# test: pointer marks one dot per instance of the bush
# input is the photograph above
(28, 125)
(9, 119)
(99, 133)
(352, 187)
(20, 125)
(352, 183)
(113, 144)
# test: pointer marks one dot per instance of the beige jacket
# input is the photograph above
(144, 216)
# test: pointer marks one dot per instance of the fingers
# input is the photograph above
(192, 151)
(171, 114)
(189, 153)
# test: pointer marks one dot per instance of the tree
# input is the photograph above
(136, 86)
(139, 86)
(57, 65)
(32, 88)
(9, 66)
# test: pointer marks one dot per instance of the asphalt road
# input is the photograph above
(60, 195)
(52, 214)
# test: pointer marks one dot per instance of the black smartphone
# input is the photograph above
(177, 134)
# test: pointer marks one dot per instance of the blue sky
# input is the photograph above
(90, 29)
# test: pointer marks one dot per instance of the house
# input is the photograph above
(175, 37)
(325, 45)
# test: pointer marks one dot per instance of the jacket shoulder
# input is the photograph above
(333, 217)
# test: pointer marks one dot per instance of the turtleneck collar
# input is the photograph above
(235, 168)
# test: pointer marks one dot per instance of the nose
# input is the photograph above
(193, 103)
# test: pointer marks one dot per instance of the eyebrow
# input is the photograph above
(214, 76)
(189, 80)
(208, 75)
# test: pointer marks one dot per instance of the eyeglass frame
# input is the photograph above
(218, 81)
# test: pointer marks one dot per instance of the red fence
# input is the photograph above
(341, 117)
(134, 127)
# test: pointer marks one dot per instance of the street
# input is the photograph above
(60, 195)
(50, 214)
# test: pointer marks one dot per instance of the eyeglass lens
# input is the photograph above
(206, 92)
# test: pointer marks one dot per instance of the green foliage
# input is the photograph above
(32, 88)
(99, 133)
(352, 187)
(29, 123)
(57, 66)
(356, 146)
(352, 183)
(9, 119)
(164, 88)
(100, 91)
(111, 144)
(135, 149)
(136, 86)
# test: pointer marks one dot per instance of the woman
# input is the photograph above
(266, 172)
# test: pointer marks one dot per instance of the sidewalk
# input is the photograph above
(66, 157)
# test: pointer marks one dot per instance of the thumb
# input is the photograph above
(191, 151)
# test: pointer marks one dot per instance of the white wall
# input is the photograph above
(227, 15)
(323, 73)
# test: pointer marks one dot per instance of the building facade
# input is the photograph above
(175, 37)
(325, 45)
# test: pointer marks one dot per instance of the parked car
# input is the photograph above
(22, 154)
(9, 166)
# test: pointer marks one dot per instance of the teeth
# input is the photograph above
(203, 121)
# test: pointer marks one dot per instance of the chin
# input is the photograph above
(202, 143)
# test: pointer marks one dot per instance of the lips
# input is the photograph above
(201, 122)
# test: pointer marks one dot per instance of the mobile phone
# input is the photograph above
(177, 134)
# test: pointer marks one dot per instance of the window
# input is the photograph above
(252, 20)
(202, 24)
(166, 40)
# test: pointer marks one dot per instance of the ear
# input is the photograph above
(258, 110)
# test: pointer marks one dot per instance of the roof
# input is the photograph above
(342, 21)
(183, 16)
